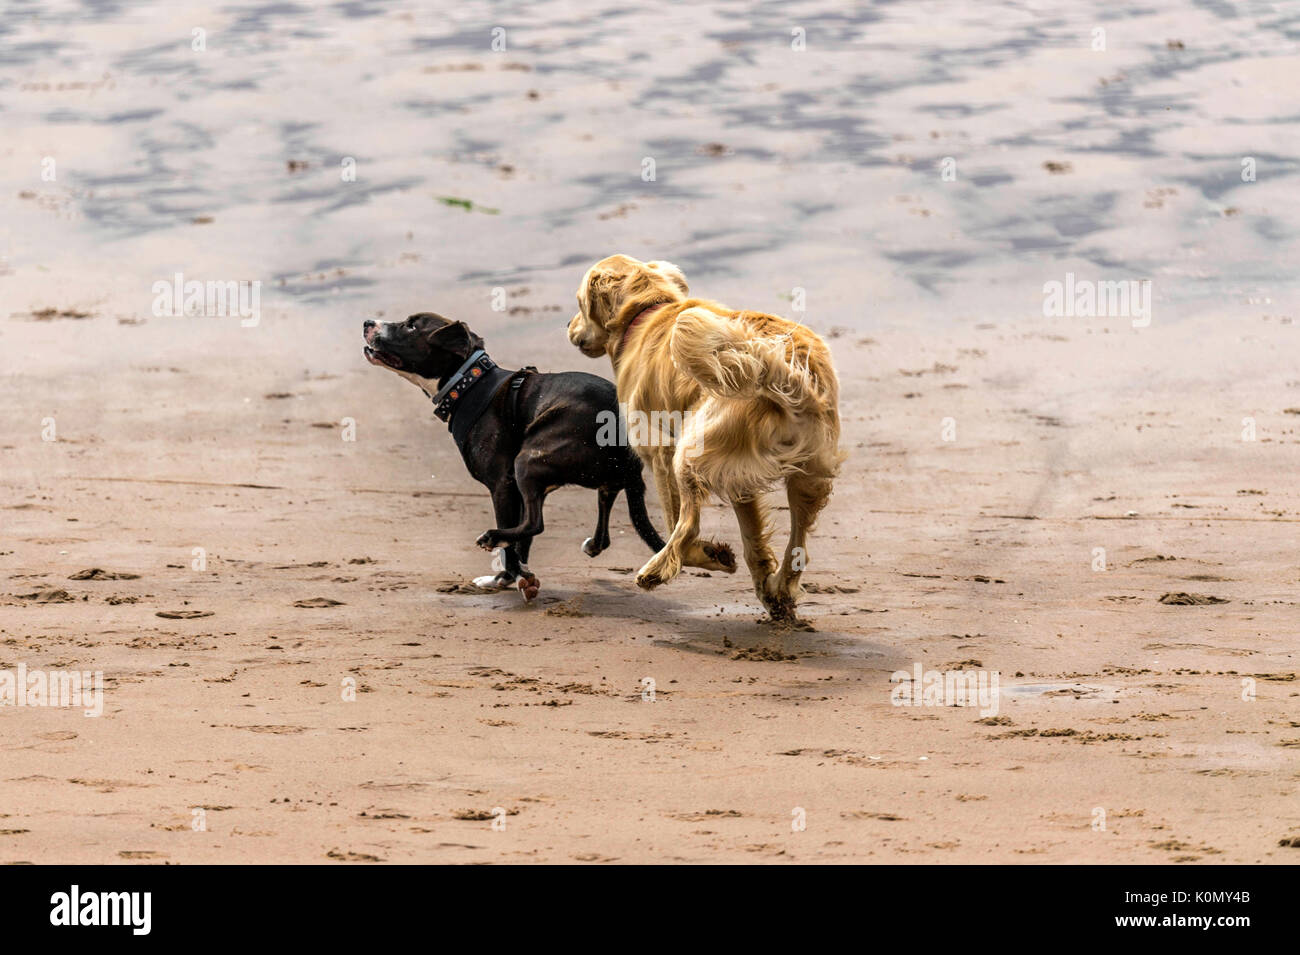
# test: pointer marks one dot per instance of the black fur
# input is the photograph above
(526, 444)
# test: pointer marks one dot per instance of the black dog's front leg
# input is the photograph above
(506, 507)
(532, 492)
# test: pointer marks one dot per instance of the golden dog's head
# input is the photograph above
(615, 290)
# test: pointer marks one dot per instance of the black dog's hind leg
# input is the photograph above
(636, 505)
(599, 539)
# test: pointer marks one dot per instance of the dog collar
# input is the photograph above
(466, 377)
(618, 349)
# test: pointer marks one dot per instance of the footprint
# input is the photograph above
(95, 573)
(352, 856)
(1191, 600)
(706, 815)
(479, 815)
(813, 587)
(106, 785)
(456, 587)
(49, 595)
(278, 730)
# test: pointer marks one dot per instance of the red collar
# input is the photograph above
(618, 349)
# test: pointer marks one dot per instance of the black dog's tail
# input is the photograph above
(636, 506)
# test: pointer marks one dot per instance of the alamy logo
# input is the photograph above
(923, 687)
(1084, 298)
(24, 687)
(641, 429)
(174, 298)
(134, 909)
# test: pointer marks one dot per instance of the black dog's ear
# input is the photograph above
(457, 339)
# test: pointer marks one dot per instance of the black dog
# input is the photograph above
(522, 434)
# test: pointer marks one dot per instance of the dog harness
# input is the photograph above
(470, 390)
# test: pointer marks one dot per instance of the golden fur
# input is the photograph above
(759, 398)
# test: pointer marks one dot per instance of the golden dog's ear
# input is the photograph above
(671, 272)
(601, 283)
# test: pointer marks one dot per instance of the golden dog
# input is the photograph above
(757, 398)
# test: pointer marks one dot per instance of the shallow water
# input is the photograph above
(774, 168)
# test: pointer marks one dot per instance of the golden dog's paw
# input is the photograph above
(721, 557)
(780, 608)
(778, 599)
(648, 581)
(658, 570)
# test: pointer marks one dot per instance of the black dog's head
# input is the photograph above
(424, 349)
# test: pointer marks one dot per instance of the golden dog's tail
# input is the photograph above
(731, 359)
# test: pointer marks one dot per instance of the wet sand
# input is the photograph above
(972, 553)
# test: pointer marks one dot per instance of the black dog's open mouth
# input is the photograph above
(377, 357)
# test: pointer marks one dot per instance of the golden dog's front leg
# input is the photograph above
(681, 490)
(660, 460)
(667, 564)
(670, 477)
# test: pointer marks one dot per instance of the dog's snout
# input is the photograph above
(576, 336)
(369, 329)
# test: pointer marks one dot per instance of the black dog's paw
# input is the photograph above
(487, 540)
(591, 547)
(495, 581)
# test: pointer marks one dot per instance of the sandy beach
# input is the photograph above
(1102, 510)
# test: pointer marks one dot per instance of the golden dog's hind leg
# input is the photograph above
(807, 496)
(710, 555)
(752, 518)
